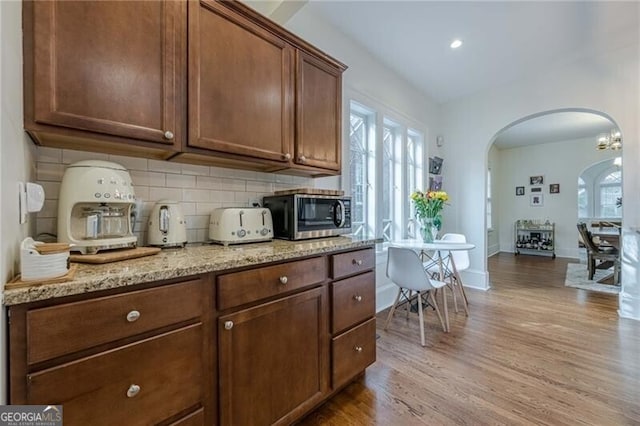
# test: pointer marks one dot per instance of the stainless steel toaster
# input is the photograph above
(234, 225)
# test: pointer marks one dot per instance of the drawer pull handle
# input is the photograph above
(357, 298)
(168, 135)
(287, 156)
(133, 316)
(133, 391)
(357, 262)
(284, 279)
(228, 325)
(358, 348)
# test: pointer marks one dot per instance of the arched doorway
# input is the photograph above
(532, 169)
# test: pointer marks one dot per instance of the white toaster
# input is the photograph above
(234, 225)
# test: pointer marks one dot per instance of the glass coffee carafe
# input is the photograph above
(100, 221)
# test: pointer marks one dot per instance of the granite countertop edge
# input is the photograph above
(176, 263)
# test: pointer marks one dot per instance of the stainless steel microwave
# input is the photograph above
(303, 216)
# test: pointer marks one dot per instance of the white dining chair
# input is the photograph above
(404, 269)
(451, 272)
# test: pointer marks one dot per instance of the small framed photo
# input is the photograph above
(536, 180)
(519, 190)
(537, 200)
(536, 189)
(435, 165)
(554, 188)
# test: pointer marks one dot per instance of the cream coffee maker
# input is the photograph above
(95, 206)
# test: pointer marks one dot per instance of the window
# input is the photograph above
(360, 157)
(381, 201)
(583, 199)
(610, 189)
(489, 206)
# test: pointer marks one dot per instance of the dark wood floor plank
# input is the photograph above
(532, 351)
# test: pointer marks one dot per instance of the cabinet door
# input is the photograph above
(240, 85)
(318, 113)
(110, 67)
(273, 359)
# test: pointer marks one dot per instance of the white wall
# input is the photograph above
(16, 155)
(497, 200)
(369, 81)
(606, 82)
(560, 162)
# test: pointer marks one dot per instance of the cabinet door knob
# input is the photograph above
(133, 391)
(228, 325)
(302, 158)
(284, 279)
(168, 135)
(287, 156)
(357, 298)
(357, 348)
(357, 262)
(133, 316)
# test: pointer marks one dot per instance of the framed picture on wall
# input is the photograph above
(537, 200)
(435, 165)
(554, 188)
(435, 183)
(536, 180)
(536, 189)
(519, 190)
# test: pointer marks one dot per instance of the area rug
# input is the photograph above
(578, 277)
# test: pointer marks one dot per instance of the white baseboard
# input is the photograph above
(474, 278)
(493, 250)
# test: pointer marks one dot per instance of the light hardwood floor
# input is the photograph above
(531, 352)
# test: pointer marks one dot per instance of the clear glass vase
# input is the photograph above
(428, 230)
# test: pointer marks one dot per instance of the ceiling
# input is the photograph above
(555, 127)
(503, 41)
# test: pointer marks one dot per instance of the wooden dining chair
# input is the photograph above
(597, 257)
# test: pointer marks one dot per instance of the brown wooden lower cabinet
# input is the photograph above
(266, 359)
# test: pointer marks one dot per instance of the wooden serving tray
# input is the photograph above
(18, 283)
(115, 255)
(311, 191)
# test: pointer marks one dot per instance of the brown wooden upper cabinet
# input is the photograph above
(112, 76)
(258, 91)
(106, 76)
(240, 85)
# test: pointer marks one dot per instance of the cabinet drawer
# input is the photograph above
(70, 327)
(352, 352)
(101, 389)
(249, 286)
(192, 419)
(353, 301)
(345, 264)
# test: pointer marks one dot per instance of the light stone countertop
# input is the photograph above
(174, 263)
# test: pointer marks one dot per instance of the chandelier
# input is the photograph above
(611, 141)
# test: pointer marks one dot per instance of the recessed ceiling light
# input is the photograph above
(456, 43)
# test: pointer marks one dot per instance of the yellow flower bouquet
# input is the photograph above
(429, 205)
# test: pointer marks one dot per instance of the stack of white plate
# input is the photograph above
(39, 266)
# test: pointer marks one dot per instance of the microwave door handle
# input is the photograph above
(339, 222)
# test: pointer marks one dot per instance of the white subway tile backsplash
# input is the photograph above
(222, 196)
(257, 186)
(180, 181)
(164, 166)
(130, 163)
(188, 209)
(206, 208)
(51, 190)
(233, 185)
(200, 189)
(49, 155)
(156, 194)
(148, 178)
(196, 195)
(194, 169)
(197, 222)
(207, 182)
(70, 156)
(50, 172)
